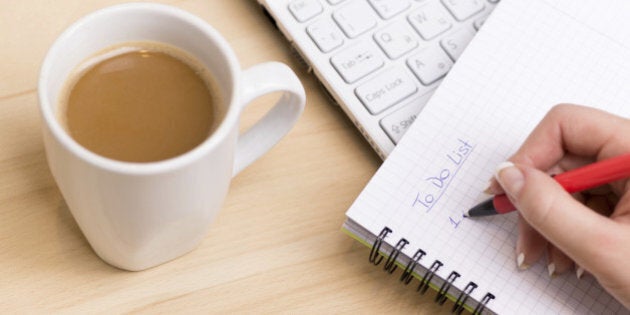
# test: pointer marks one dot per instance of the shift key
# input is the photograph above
(386, 89)
(397, 123)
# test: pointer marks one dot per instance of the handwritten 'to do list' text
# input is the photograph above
(431, 188)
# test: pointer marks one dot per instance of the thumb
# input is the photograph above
(547, 207)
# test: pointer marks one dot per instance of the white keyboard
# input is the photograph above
(380, 60)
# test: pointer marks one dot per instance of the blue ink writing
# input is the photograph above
(431, 188)
(454, 223)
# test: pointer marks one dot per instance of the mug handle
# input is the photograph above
(265, 133)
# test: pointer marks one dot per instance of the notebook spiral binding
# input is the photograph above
(407, 275)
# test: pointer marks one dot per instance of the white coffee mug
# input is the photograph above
(139, 215)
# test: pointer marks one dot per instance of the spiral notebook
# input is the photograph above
(530, 55)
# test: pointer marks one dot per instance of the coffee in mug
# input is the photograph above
(140, 102)
(139, 215)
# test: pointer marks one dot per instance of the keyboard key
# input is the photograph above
(430, 64)
(386, 89)
(454, 43)
(463, 9)
(389, 8)
(357, 61)
(396, 39)
(304, 10)
(479, 22)
(397, 123)
(325, 34)
(430, 20)
(355, 18)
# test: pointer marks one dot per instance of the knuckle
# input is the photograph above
(560, 110)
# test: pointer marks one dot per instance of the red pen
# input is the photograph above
(575, 180)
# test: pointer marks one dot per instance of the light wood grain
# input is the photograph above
(275, 248)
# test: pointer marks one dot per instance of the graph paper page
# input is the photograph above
(530, 55)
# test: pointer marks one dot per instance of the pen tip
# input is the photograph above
(483, 209)
(466, 215)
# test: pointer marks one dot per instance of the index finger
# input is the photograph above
(574, 129)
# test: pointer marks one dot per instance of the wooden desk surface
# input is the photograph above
(275, 248)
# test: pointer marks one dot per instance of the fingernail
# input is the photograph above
(551, 268)
(510, 177)
(579, 272)
(520, 259)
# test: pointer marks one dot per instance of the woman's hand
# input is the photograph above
(590, 229)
